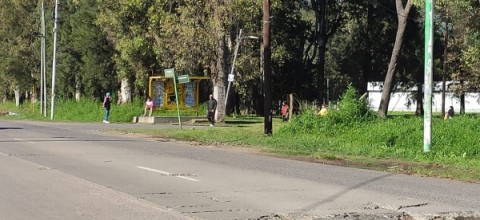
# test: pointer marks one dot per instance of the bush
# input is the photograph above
(352, 110)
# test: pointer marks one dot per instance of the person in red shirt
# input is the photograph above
(284, 111)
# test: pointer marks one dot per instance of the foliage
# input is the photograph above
(352, 111)
(17, 58)
(84, 61)
(102, 42)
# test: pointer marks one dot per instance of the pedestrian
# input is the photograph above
(323, 110)
(284, 111)
(106, 105)
(450, 113)
(148, 106)
(212, 107)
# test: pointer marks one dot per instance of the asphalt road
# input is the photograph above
(79, 171)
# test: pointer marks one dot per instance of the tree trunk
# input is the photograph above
(322, 38)
(419, 99)
(462, 98)
(218, 67)
(17, 96)
(367, 56)
(125, 91)
(387, 86)
(33, 97)
(444, 73)
(77, 88)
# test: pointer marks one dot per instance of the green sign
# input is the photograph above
(183, 79)
(169, 73)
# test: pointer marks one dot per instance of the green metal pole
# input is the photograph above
(176, 100)
(427, 116)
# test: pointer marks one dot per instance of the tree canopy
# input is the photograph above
(318, 47)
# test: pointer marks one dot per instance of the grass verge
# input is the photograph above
(358, 146)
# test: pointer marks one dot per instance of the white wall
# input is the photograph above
(399, 100)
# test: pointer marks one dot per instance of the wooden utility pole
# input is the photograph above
(267, 70)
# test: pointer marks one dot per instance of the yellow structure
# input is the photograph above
(162, 92)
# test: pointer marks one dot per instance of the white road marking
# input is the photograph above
(19, 139)
(166, 173)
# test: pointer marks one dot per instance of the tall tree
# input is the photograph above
(126, 24)
(86, 66)
(464, 48)
(329, 16)
(402, 15)
(18, 67)
(218, 66)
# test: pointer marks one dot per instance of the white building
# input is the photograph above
(401, 100)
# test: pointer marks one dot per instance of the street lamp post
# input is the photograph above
(231, 76)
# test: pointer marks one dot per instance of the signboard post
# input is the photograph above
(170, 73)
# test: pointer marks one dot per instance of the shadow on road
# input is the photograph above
(343, 192)
(10, 128)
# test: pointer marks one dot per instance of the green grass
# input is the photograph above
(342, 138)
(86, 111)
(394, 145)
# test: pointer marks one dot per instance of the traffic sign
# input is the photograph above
(231, 77)
(183, 79)
(169, 73)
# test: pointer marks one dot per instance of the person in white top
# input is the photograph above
(149, 107)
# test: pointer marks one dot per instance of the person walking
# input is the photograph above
(148, 107)
(212, 107)
(106, 105)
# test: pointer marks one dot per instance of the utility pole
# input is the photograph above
(267, 70)
(55, 30)
(43, 71)
(232, 69)
(231, 76)
(427, 116)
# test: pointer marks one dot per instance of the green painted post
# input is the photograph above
(170, 73)
(176, 100)
(427, 116)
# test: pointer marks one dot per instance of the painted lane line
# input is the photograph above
(19, 139)
(167, 173)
